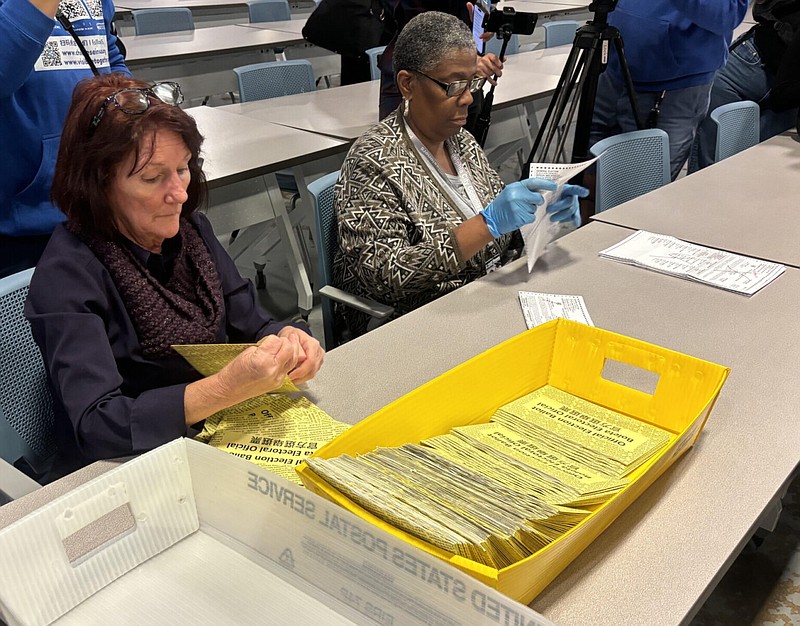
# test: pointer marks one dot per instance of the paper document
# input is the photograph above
(668, 255)
(277, 432)
(498, 492)
(542, 231)
(539, 308)
(209, 358)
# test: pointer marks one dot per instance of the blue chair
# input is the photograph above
(559, 32)
(374, 54)
(631, 164)
(154, 21)
(274, 78)
(268, 10)
(27, 440)
(738, 127)
(322, 199)
(494, 45)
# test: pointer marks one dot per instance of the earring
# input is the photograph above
(405, 107)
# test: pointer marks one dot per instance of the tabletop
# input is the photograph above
(142, 49)
(658, 561)
(529, 75)
(692, 521)
(744, 204)
(236, 148)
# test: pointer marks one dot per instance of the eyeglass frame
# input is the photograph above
(147, 91)
(468, 84)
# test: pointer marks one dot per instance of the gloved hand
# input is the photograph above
(567, 208)
(516, 205)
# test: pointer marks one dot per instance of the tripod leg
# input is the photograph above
(626, 75)
(557, 105)
(583, 126)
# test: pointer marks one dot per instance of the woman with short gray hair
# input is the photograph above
(420, 211)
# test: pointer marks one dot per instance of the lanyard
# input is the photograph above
(468, 208)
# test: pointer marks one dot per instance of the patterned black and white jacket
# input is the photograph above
(396, 242)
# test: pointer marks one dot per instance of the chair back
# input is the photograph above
(374, 54)
(322, 199)
(153, 21)
(268, 10)
(631, 165)
(274, 78)
(26, 407)
(494, 45)
(738, 127)
(559, 32)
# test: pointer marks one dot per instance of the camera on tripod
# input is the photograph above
(509, 22)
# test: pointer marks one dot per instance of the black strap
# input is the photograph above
(64, 21)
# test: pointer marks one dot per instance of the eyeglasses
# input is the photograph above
(136, 100)
(458, 87)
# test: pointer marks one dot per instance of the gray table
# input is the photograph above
(527, 76)
(744, 204)
(659, 560)
(241, 157)
(202, 60)
(657, 563)
(294, 25)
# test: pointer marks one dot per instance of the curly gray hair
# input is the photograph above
(428, 39)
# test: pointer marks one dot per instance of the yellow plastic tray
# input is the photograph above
(566, 355)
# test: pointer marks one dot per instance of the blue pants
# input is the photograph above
(744, 77)
(682, 110)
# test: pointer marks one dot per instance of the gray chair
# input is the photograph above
(559, 32)
(374, 54)
(268, 10)
(738, 127)
(630, 165)
(154, 21)
(27, 440)
(322, 198)
(274, 78)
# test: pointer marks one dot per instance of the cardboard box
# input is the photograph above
(566, 355)
(188, 534)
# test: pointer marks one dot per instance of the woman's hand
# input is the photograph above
(260, 369)
(311, 354)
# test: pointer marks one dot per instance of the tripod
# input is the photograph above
(484, 118)
(577, 88)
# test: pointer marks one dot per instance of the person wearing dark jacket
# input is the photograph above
(763, 66)
(135, 270)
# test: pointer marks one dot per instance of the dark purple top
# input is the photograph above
(109, 399)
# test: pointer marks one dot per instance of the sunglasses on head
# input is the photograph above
(136, 100)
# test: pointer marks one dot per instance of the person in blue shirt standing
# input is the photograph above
(764, 66)
(40, 64)
(673, 48)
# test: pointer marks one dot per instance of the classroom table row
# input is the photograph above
(311, 133)
(744, 204)
(661, 558)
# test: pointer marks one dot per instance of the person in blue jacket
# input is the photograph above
(673, 48)
(40, 64)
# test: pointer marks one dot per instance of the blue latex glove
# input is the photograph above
(567, 208)
(516, 205)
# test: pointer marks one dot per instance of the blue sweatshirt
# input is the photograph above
(40, 64)
(673, 44)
